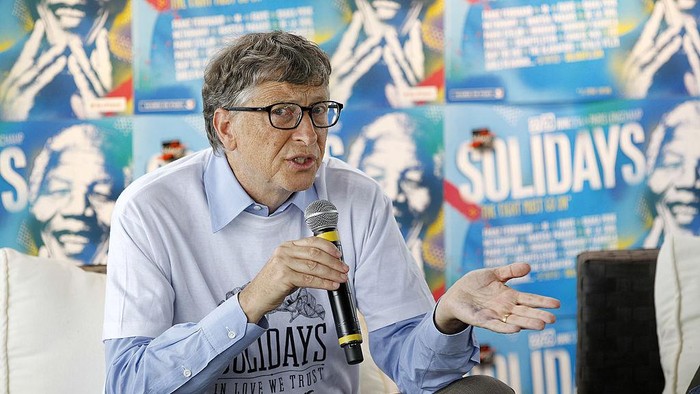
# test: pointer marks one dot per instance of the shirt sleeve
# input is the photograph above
(419, 358)
(187, 357)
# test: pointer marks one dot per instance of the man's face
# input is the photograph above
(270, 163)
(676, 179)
(75, 204)
(392, 162)
(75, 16)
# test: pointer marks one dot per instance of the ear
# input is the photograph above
(223, 125)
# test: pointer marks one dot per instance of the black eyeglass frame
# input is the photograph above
(308, 109)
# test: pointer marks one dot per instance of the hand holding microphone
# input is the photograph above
(322, 218)
(303, 263)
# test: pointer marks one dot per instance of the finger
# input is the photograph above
(360, 55)
(31, 47)
(318, 243)
(38, 70)
(692, 54)
(82, 61)
(348, 41)
(645, 42)
(673, 14)
(81, 82)
(395, 71)
(533, 313)
(536, 301)
(45, 77)
(313, 268)
(510, 271)
(648, 56)
(372, 24)
(527, 322)
(315, 275)
(26, 60)
(664, 55)
(100, 60)
(691, 30)
(653, 24)
(363, 66)
(395, 47)
(497, 325)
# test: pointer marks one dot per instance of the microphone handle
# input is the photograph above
(347, 326)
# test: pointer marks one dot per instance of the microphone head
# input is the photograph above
(320, 215)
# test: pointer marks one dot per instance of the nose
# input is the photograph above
(305, 132)
(78, 205)
(393, 189)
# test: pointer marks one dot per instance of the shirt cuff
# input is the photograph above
(446, 344)
(227, 324)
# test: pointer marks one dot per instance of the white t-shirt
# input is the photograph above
(185, 238)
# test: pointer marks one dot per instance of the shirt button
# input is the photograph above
(231, 334)
(257, 207)
(186, 373)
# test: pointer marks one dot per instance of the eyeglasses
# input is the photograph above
(287, 116)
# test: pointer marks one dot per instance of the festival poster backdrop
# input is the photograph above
(60, 60)
(402, 149)
(388, 54)
(381, 55)
(535, 362)
(159, 140)
(515, 51)
(174, 41)
(58, 185)
(561, 179)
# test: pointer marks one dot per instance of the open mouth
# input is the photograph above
(302, 161)
(684, 213)
(70, 12)
(79, 238)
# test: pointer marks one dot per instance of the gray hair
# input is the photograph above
(232, 75)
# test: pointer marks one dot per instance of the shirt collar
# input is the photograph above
(227, 198)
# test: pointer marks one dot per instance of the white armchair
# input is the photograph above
(51, 315)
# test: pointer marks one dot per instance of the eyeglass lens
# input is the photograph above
(288, 115)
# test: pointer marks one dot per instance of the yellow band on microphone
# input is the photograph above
(350, 338)
(332, 236)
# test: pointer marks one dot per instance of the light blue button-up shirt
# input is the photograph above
(185, 237)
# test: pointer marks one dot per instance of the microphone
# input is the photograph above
(322, 218)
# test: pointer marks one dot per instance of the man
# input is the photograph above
(65, 64)
(72, 191)
(404, 159)
(216, 284)
(673, 165)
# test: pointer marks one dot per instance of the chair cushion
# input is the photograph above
(51, 314)
(677, 302)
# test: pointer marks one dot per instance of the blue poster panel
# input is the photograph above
(388, 53)
(383, 53)
(560, 179)
(58, 185)
(515, 51)
(532, 362)
(402, 149)
(175, 39)
(65, 59)
(159, 140)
